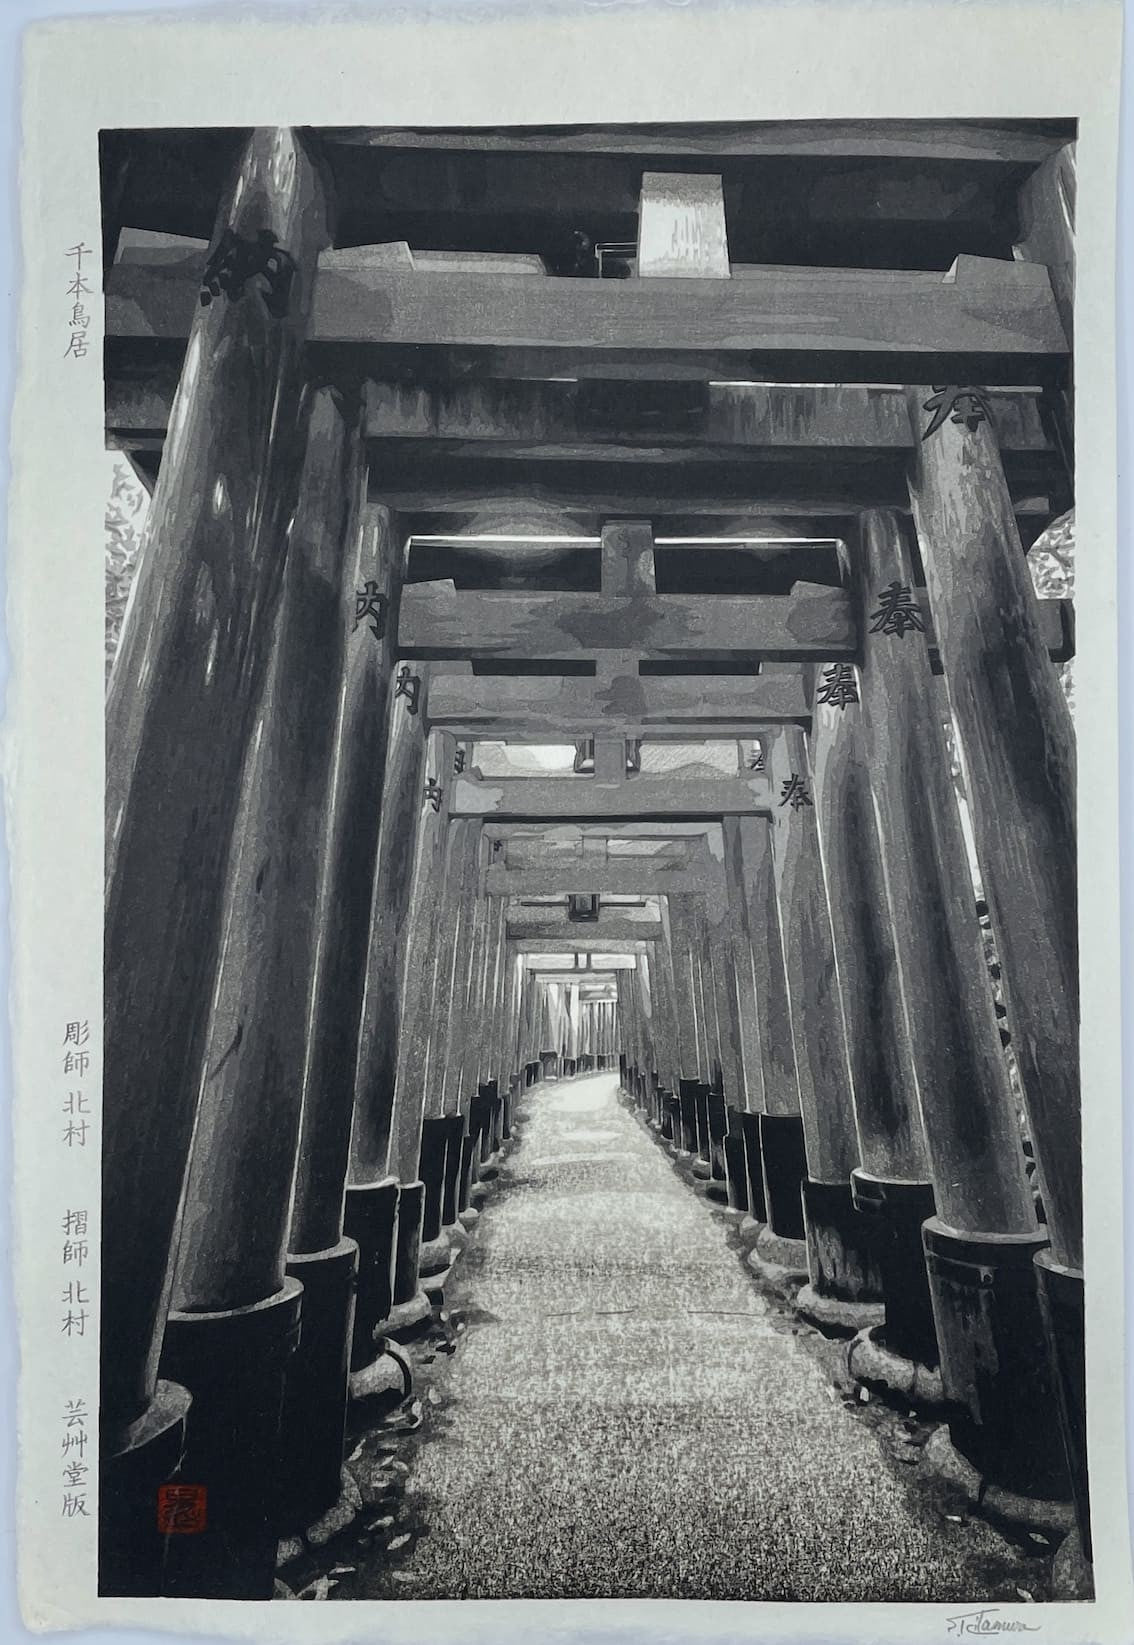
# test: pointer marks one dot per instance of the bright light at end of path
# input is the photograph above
(584, 1095)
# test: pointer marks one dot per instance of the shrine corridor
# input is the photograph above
(627, 1414)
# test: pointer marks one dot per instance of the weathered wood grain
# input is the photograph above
(612, 929)
(526, 420)
(374, 1150)
(847, 766)
(578, 799)
(633, 704)
(579, 875)
(232, 1247)
(350, 854)
(432, 900)
(438, 621)
(1008, 144)
(818, 1031)
(1047, 227)
(180, 715)
(680, 923)
(982, 308)
(972, 1133)
(1019, 748)
(750, 868)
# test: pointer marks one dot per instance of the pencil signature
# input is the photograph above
(986, 1622)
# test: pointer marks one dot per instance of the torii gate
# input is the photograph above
(222, 673)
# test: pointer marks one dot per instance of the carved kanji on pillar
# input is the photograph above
(898, 612)
(794, 792)
(838, 686)
(409, 686)
(370, 602)
(433, 793)
(967, 406)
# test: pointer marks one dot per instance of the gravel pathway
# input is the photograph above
(628, 1415)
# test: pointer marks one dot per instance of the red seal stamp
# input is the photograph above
(181, 1509)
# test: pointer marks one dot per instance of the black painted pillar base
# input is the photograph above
(736, 1163)
(843, 1294)
(687, 1098)
(134, 1464)
(783, 1159)
(493, 1138)
(489, 1128)
(315, 1390)
(456, 1138)
(717, 1115)
(840, 1248)
(1061, 1306)
(995, 1368)
(407, 1241)
(622, 1067)
(431, 1170)
(233, 1364)
(749, 1121)
(897, 1211)
(670, 1116)
(704, 1146)
(465, 1174)
(549, 1061)
(369, 1216)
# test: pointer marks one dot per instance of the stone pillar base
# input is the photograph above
(408, 1319)
(780, 1263)
(407, 1241)
(904, 1381)
(369, 1215)
(233, 1363)
(315, 1391)
(896, 1211)
(1053, 1517)
(994, 1357)
(834, 1316)
(133, 1465)
(840, 1255)
(783, 1158)
(1061, 1306)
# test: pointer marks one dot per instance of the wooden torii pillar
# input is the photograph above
(1021, 801)
(231, 1256)
(893, 1184)
(838, 1256)
(767, 1064)
(429, 915)
(385, 1196)
(183, 701)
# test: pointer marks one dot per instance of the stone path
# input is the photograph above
(627, 1414)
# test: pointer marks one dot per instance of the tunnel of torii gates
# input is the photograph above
(445, 573)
